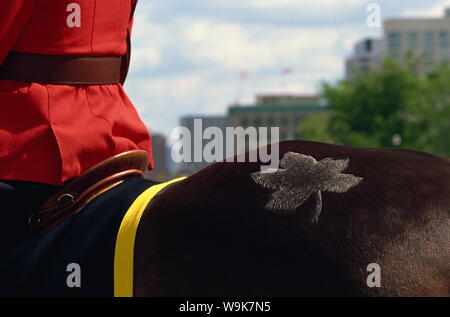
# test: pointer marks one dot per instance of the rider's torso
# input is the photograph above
(53, 133)
(83, 27)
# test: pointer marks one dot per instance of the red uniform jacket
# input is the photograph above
(52, 133)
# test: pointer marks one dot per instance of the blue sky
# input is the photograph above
(187, 54)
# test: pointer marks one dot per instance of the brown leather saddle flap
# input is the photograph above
(81, 190)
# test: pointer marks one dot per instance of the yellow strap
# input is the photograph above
(124, 253)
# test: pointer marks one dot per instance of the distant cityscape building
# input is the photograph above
(286, 99)
(160, 151)
(427, 39)
(283, 111)
(187, 168)
(367, 54)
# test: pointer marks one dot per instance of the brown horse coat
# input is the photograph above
(213, 233)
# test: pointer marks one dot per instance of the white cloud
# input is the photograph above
(187, 62)
(436, 11)
(233, 47)
(145, 58)
(220, 50)
(306, 4)
(228, 45)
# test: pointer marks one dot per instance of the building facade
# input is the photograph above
(367, 54)
(426, 41)
(282, 111)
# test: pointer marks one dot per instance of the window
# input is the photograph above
(430, 42)
(395, 43)
(413, 39)
(429, 35)
(368, 45)
(444, 53)
(443, 39)
(444, 44)
(429, 39)
(395, 39)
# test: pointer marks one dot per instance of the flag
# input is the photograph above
(244, 74)
(287, 70)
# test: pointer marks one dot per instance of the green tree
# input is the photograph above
(386, 104)
(370, 110)
(428, 125)
(315, 128)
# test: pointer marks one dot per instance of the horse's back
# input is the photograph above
(213, 234)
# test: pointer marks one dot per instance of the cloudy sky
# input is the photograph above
(188, 54)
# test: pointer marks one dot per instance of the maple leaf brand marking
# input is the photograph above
(302, 176)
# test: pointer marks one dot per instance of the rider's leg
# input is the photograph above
(18, 199)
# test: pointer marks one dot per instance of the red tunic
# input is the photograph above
(52, 133)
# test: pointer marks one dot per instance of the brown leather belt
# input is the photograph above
(61, 69)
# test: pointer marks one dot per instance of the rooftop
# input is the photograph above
(270, 108)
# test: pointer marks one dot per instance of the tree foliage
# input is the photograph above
(384, 105)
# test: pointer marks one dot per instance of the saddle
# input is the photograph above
(83, 189)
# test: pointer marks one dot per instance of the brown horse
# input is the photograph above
(333, 220)
(212, 234)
